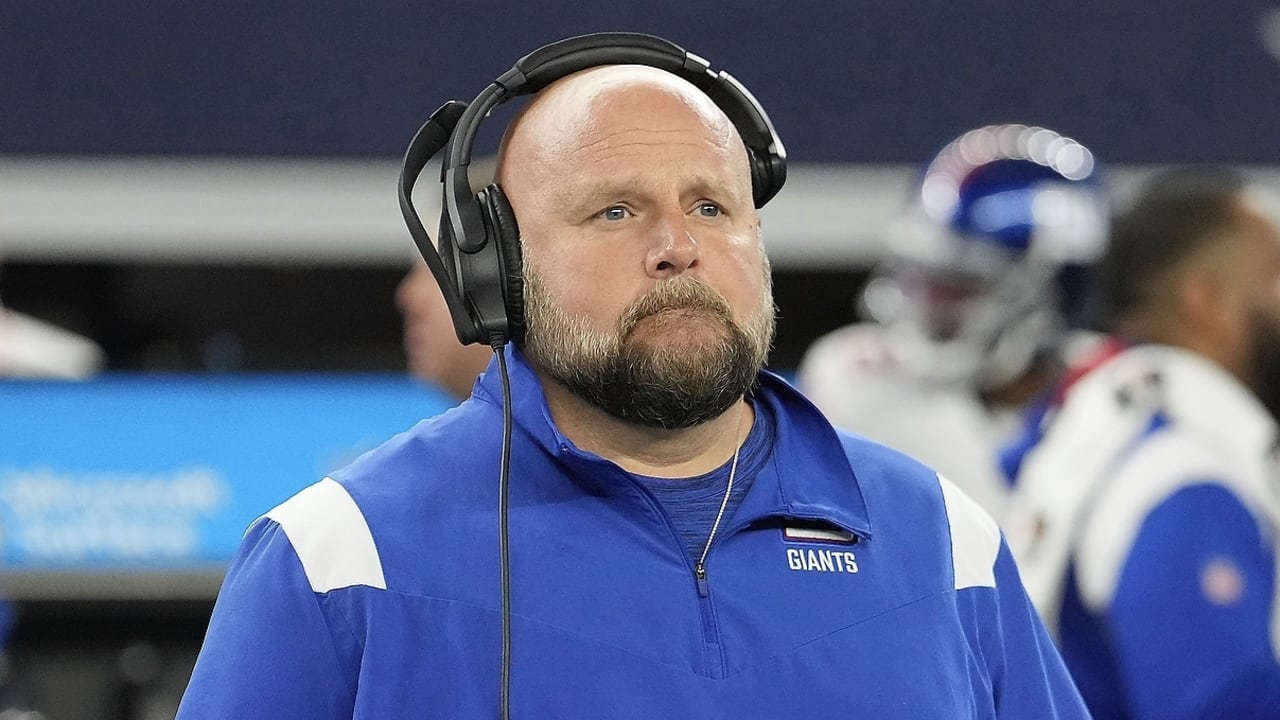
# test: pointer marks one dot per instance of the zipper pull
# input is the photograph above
(700, 572)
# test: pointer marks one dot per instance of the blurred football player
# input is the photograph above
(1146, 515)
(968, 309)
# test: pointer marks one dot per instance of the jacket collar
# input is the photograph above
(807, 475)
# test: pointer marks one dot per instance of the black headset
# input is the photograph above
(478, 264)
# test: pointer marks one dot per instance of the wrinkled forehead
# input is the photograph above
(587, 107)
(603, 87)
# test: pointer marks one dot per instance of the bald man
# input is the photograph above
(689, 537)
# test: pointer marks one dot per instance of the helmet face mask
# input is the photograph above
(958, 327)
(969, 278)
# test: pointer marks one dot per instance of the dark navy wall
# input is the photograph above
(851, 81)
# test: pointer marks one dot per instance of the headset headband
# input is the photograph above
(455, 125)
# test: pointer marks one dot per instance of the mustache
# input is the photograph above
(679, 293)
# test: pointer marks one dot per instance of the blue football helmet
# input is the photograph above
(974, 275)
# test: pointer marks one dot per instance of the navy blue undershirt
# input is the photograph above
(692, 503)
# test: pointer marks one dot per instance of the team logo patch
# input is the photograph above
(812, 556)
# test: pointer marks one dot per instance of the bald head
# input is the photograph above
(606, 113)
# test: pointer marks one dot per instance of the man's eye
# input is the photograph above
(709, 210)
(617, 212)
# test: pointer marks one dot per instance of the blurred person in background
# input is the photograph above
(968, 309)
(432, 350)
(1145, 519)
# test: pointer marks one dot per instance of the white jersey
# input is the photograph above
(1086, 489)
(858, 376)
(1144, 524)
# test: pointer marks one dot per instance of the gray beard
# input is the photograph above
(642, 382)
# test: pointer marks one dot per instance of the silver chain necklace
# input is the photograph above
(700, 569)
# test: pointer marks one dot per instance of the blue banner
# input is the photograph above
(166, 472)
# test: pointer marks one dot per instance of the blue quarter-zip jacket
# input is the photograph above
(375, 593)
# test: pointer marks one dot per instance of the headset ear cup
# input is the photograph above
(511, 255)
(760, 180)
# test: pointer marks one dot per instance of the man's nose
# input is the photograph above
(674, 250)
